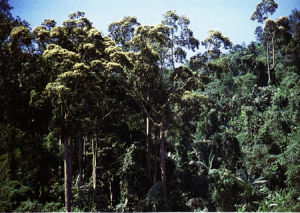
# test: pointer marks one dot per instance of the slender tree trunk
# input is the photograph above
(273, 51)
(84, 157)
(155, 156)
(148, 141)
(60, 167)
(268, 64)
(79, 140)
(111, 178)
(67, 175)
(70, 159)
(94, 150)
(162, 155)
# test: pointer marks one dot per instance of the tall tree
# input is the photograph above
(75, 83)
(16, 49)
(269, 32)
(275, 33)
(122, 32)
(161, 52)
(261, 14)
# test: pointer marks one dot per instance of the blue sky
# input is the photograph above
(231, 17)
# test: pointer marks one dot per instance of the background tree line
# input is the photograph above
(128, 122)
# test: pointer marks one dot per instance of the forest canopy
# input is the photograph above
(141, 120)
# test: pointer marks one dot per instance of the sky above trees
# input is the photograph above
(231, 17)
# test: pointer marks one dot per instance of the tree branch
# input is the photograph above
(175, 92)
(144, 104)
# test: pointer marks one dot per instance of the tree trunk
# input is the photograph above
(79, 139)
(162, 155)
(67, 175)
(60, 167)
(268, 64)
(273, 51)
(70, 159)
(148, 141)
(111, 178)
(94, 150)
(84, 157)
(155, 156)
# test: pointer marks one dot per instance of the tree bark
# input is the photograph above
(268, 64)
(84, 157)
(94, 150)
(70, 159)
(111, 179)
(273, 51)
(162, 155)
(67, 175)
(148, 141)
(79, 139)
(60, 167)
(155, 156)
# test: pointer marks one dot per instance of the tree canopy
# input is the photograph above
(141, 120)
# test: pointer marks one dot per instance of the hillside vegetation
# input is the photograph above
(127, 122)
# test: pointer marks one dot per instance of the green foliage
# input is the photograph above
(214, 41)
(278, 201)
(224, 183)
(153, 201)
(12, 193)
(29, 206)
(293, 165)
(263, 9)
(231, 141)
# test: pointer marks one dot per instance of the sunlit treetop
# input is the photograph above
(48, 24)
(57, 51)
(283, 21)
(174, 20)
(19, 36)
(263, 9)
(57, 89)
(22, 33)
(60, 57)
(150, 39)
(270, 25)
(214, 41)
(122, 31)
(180, 33)
(215, 37)
(77, 15)
(279, 29)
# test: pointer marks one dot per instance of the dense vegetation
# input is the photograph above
(128, 122)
